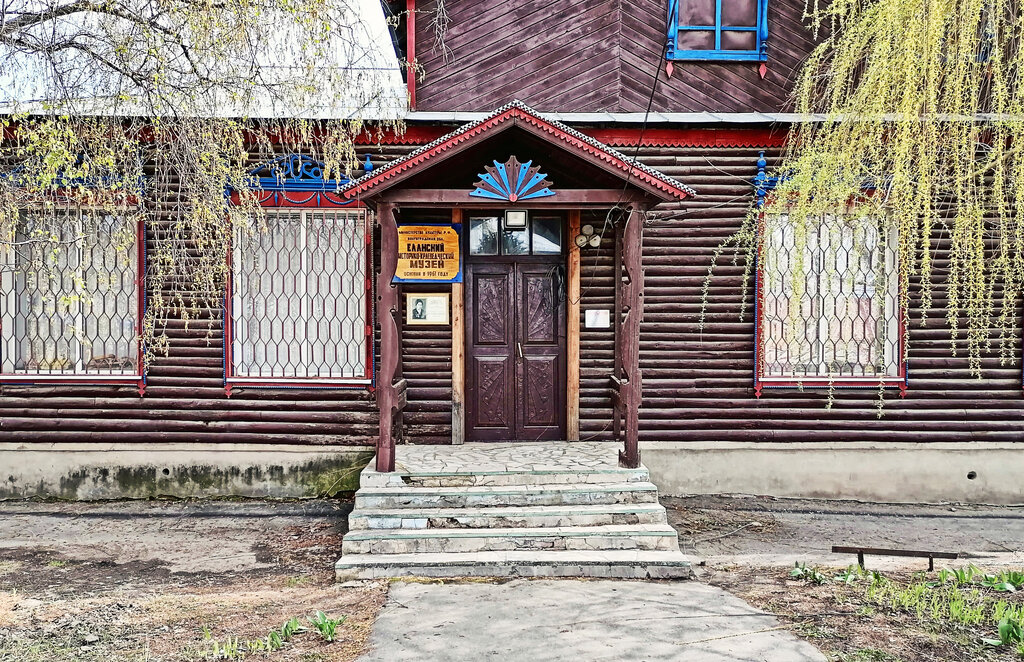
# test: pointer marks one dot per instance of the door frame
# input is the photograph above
(572, 321)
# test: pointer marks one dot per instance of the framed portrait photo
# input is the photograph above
(426, 308)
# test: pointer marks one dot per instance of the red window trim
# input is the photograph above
(137, 378)
(901, 380)
(306, 200)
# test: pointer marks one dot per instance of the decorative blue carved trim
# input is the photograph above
(496, 183)
(15, 176)
(295, 172)
(758, 54)
(762, 182)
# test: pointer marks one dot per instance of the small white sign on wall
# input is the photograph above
(597, 319)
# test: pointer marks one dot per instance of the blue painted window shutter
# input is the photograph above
(718, 30)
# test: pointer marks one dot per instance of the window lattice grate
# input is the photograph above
(70, 297)
(829, 300)
(299, 296)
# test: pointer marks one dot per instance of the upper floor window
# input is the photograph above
(299, 299)
(718, 30)
(71, 298)
(828, 303)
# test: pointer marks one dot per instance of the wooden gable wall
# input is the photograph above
(595, 56)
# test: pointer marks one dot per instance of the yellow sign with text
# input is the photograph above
(428, 254)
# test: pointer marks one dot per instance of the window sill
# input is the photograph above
(119, 378)
(898, 382)
(715, 56)
(297, 382)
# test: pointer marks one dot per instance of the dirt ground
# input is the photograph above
(764, 531)
(163, 580)
(160, 581)
(749, 545)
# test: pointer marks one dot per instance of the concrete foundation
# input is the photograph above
(125, 471)
(969, 472)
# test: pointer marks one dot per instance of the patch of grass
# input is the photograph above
(863, 655)
(296, 581)
(56, 563)
(813, 631)
(964, 613)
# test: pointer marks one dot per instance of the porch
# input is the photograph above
(546, 509)
(512, 308)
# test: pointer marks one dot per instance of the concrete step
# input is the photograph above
(585, 538)
(620, 564)
(508, 517)
(506, 495)
(537, 476)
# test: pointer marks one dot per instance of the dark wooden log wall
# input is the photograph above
(185, 399)
(599, 55)
(698, 385)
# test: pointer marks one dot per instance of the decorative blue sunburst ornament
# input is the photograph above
(512, 181)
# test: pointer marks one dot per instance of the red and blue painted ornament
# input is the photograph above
(512, 181)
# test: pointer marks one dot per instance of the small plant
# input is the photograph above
(231, 649)
(1010, 633)
(850, 576)
(326, 625)
(290, 627)
(1006, 581)
(964, 575)
(801, 571)
(56, 563)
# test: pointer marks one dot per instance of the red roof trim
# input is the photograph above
(517, 114)
(612, 136)
(708, 138)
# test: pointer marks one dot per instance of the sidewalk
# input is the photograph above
(537, 621)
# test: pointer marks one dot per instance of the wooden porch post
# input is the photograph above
(629, 334)
(458, 356)
(572, 421)
(390, 350)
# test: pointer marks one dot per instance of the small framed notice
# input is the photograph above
(426, 308)
(597, 319)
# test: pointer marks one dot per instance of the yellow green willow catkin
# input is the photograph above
(925, 99)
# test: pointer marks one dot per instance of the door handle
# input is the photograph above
(519, 346)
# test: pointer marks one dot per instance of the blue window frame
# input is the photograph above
(718, 30)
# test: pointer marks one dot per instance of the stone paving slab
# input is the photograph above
(582, 456)
(540, 620)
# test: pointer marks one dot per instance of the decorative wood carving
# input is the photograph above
(512, 181)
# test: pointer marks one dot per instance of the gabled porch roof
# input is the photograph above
(517, 114)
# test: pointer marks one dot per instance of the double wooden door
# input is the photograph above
(515, 348)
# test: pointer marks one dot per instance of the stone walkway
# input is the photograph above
(597, 621)
(584, 456)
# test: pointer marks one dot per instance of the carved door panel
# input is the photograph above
(515, 350)
(540, 370)
(490, 359)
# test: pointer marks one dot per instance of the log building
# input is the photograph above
(528, 261)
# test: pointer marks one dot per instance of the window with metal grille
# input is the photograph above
(828, 303)
(722, 30)
(299, 299)
(71, 298)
